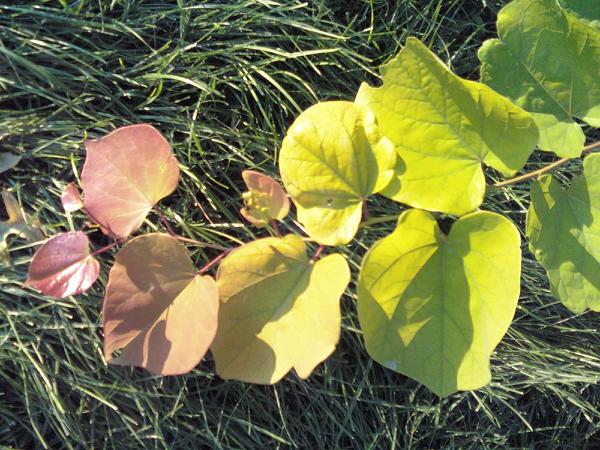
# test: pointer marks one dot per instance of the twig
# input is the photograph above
(536, 173)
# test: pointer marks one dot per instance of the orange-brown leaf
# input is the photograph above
(125, 174)
(63, 266)
(265, 199)
(157, 310)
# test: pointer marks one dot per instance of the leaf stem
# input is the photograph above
(105, 248)
(275, 228)
(536, 173)
(211, 263)
(164, 221)
(317, 253)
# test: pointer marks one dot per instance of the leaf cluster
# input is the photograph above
(432, 305)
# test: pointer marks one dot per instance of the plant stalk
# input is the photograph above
(591, 148)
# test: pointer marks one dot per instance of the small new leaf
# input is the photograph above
(434, 307)
(17, 225)
(70, 198)
(157, 310)
(547, 59)
(280, 310)
(444, 128)
(332, 158)
(63, 266)
(265, 200)
(563, 227)
(125, 174)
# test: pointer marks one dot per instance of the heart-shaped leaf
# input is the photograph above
(547, 60)
(280, 310)
(444, 128)
(434, 307)
(157, 309)
(125, 174)
(563, 227)
(332, 158)
(63, 266)
(265, 199)
(70, 198)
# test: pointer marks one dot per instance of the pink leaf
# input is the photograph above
(70, 198)
(157, 309)
(63, 266)
(125, 174)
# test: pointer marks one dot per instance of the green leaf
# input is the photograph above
(434, 307)
(443, 128)
(563, 227)
(586, 10)
(332, 158)
(547, 60)
(157, 309)
(280, 310)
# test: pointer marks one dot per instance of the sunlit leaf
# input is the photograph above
(280, 310)
(563, 226)
(63, 266)
(15, 225)
(444, 128)
(157, 309)
(434, 306)
(8, 161)
(547, 60)
(125, 174)
(332, 158)
(265, 199)
(70, 198)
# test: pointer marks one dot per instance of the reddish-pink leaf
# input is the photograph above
(157, 310)
(265, 199)
(70, 198)
(125, 174)
(63, 266)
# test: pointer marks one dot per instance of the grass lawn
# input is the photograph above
(222, 80)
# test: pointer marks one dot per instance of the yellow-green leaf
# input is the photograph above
(280, 310)
(563, 227)
(444, 128)
(332, 158)
(434, 306)
(547, 59)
